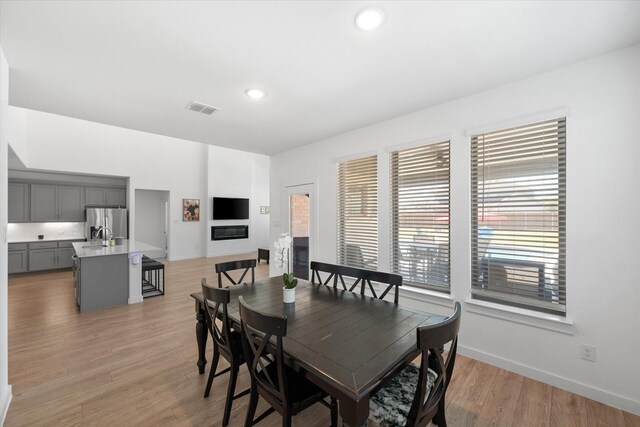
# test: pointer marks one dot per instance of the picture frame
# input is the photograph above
(191, 210)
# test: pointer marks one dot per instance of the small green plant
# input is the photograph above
(290, 282)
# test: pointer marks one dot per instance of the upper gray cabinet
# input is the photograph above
(116, 197)
(50, 203)
(44, 202)
(18, 202)
(98, 196)
(70, 203)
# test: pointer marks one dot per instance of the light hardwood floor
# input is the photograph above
(135, 365)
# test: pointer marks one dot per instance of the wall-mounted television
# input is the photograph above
(230, 208)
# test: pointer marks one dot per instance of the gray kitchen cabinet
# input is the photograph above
(17, 258)
(43, 256)
(102, 196)
(116, 197)
(65, 257)
(44, 202)
(103, 281)
(70, 203)
(51, 203)
(38, 256)
(18, 202)
(43, 259)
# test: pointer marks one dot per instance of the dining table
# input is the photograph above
(346, 343)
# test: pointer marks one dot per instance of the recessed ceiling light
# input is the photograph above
(369, 19)
(255, 93)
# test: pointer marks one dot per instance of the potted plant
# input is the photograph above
(282, 247)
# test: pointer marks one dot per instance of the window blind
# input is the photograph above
(358, 213)
(518, 200)
(420, 215)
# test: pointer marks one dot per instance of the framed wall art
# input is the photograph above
(191, 209)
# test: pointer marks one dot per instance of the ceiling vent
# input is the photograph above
(201, 108)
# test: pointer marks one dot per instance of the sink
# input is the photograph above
(94, 246)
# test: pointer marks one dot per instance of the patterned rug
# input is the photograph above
(390, 406)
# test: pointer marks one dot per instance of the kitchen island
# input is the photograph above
(108, 276)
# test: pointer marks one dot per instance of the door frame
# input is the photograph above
(310, 189)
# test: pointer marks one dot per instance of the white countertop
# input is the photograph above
(128, 246)
(36, 240)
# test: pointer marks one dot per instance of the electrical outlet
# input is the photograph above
(588, 353)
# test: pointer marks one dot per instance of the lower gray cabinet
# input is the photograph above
(43, 259)
(64, 257)
(17, 262)
(40, 256)
(104, 282)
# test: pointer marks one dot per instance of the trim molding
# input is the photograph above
(135, 299)
(5, 400)
(600, 395)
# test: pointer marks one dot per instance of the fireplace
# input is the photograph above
(228, 232)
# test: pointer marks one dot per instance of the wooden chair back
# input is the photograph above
(363, 279)
(431, 341)
(262, 341)
(215, 306)
(246, 264)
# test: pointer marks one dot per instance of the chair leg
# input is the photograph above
(212, 372)
(334, 412)
(439, 418)
(286, 418)
(233, 376)
(251, 409)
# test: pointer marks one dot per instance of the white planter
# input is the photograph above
(288, 295)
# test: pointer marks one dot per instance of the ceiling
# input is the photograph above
(138, 64)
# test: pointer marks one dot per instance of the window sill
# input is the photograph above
(425, 295)
(520, 315)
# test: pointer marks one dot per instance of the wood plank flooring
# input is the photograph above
(136, 365)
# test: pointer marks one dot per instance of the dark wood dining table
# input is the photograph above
(346, 343)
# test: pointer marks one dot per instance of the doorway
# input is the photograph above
(300, 228)
(151, 224)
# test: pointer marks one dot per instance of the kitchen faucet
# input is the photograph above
(101, 229)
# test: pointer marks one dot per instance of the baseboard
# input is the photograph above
(5, 400)
(136, 299)
(182, 258)
(603, 396)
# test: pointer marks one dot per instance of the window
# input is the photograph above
(518, 216)
(420, 215)
(358, 213)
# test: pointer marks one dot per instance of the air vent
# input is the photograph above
(201, 108)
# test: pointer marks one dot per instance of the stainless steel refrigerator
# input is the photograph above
(114, 219)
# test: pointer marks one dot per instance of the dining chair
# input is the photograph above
(226, 342)
(246, 264)
(363, 279)
(286, 390)
(416, 396)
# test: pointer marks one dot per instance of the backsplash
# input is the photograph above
(28, 232)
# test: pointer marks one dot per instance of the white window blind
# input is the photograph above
(420, 215)
(358, 213)
(518, 200)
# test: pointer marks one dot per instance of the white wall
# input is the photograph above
(5, 388)
(233, 173)
(601, 98)
(18, 132)
(153, 162)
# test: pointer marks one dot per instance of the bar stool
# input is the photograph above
(152, 277)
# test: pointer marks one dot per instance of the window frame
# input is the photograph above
(431, 263)
(545, 302)
(357, 210)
